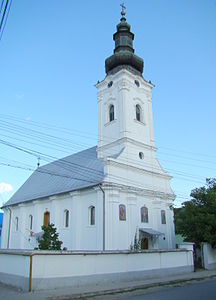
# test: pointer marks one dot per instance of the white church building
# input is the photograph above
(100, 198)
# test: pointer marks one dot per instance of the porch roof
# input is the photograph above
(150, 232)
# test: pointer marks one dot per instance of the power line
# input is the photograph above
(60, 147)
(126, 161)
(66, 176)
(35, 153)
(182, 176)
(64, 164)
(82, 170)
(89, 135)
(1, 6)
(44, 171)
(6, 12)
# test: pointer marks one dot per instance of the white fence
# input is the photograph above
(44, 269)
(209, 257)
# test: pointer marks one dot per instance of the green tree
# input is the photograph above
(136, 245)
(196, 220)
(49, 240)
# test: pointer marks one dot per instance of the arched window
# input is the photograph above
(30, 222)
(163, 217)
(16, 224)
(138, 113)
(46, 221)
(122, 212)
(111, 113)
(91, 215)
(66, 218)
(144, 214)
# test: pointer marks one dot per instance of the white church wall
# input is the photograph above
(79, 235)
(62, 269)
(5, 229)
(137, 177)
(120, 233)
(124, 94)
(66, 234)
(112, 219)
(171, 227)
(91, 235)
(16, 229)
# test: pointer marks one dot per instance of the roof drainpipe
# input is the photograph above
(9, 229)
(30, 273)
(103, 215)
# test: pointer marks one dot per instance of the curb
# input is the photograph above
(131, 289)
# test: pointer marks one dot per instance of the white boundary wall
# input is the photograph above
(62, 269)
(14, 269)
(209, 257)
(186, 245)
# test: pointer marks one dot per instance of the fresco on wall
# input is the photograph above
(144, 214)
(163, 217)
(122, 212)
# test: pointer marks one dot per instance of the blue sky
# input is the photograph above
(51, 55)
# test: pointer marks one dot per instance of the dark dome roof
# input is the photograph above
(123, 53)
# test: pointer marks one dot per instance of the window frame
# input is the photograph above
(138, 113)
(16, 224)
(46, 219)
(111, 112)
(92, 215)
(66, 218)
(30, 222)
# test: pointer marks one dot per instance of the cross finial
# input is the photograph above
(123, 9)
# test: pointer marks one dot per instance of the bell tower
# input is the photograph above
(133, 175)
(124, 99)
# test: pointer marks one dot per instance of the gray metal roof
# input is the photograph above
(150, 231)
(74, 172)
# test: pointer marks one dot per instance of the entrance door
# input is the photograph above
(144, 243)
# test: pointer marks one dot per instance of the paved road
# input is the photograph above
(204, 290)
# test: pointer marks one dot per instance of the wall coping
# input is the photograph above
(84, 253)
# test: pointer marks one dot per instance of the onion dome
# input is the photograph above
(124, 56)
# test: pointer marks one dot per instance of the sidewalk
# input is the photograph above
(9, 293)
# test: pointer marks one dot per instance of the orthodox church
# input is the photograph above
(103, 197)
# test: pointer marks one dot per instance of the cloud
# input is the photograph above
(5, 187)
(20, 95)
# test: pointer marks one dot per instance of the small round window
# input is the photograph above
(141, 155)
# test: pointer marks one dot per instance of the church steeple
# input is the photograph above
(123, 56)
(124, 100)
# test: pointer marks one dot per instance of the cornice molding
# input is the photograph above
(139, 191)
(127, 140)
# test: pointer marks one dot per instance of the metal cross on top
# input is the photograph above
(123, 9)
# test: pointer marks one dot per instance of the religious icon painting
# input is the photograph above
(122, 212)
(144, 214)
(163, 217)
